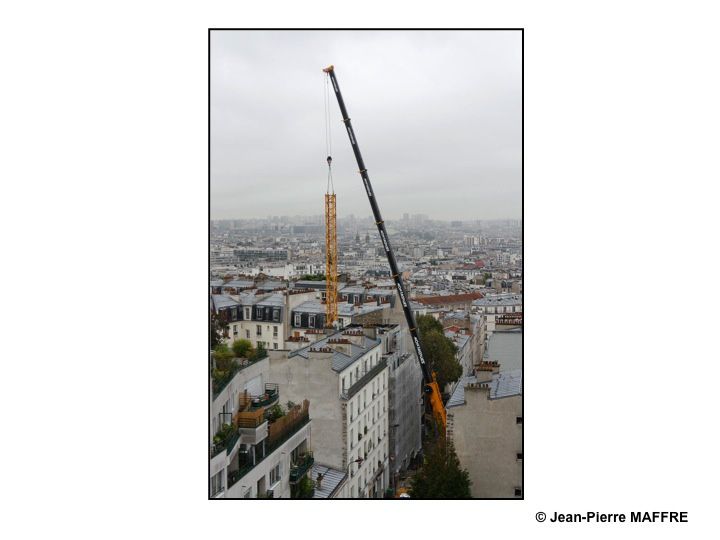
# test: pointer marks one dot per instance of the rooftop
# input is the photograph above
(331, 480)
(239, 284)
(505, 347)
(344, 309)
(503, 384)
(340, 360)
(499, 300)
(277, 299)
(448, 299)
(221, 301)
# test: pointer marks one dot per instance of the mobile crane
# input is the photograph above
(431, 386)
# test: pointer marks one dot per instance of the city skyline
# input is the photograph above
(437, 114)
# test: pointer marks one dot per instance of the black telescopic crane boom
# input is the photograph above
(431, 386)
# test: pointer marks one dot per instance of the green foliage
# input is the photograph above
(441, 476)
(440, 350)
(304, 489)
(223, 434)
(241, 348)
(225, 366)
(259, 353)
(223, 353)
(275, 412)
(427, 324)
(218, 327)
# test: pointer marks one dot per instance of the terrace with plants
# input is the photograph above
(227, 361)
(282, 423)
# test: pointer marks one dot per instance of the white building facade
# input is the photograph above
(345, 374)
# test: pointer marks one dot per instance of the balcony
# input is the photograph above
(252, 425)
(279, 432)
(267, 399)
(225, 440)
(303, 466)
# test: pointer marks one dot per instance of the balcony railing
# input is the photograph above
(362, 381)
(241, 363)
(249, 419)
(279, 432)
(299, 470)
(227, 445)
(270, 397)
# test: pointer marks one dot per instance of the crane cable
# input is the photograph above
(328, 135)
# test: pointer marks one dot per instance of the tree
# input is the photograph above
(427, 324)
(441, 476)
(218, 328)
(440, 351)
(241, 348)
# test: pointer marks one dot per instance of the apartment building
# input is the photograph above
(345, 373)
(261, 318)
(253, 453)
(484, 421)
(405, 397)
(499, 309)
(470, 324)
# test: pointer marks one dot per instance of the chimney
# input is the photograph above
(342, 345)
(355, 334)
(320, 353)
(484, 371)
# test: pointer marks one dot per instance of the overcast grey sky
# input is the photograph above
(437, 115)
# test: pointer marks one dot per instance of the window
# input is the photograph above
(247, 334)
(275, 474)
(518, 456)
(275, 331)
(235, 329)
(276, 314)
(518, 492)
(258, 330)
(518, 419)
(247, 313)
(216, 484)
(352, 438)
(311, 322)
(297, 319)
(275, 346)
